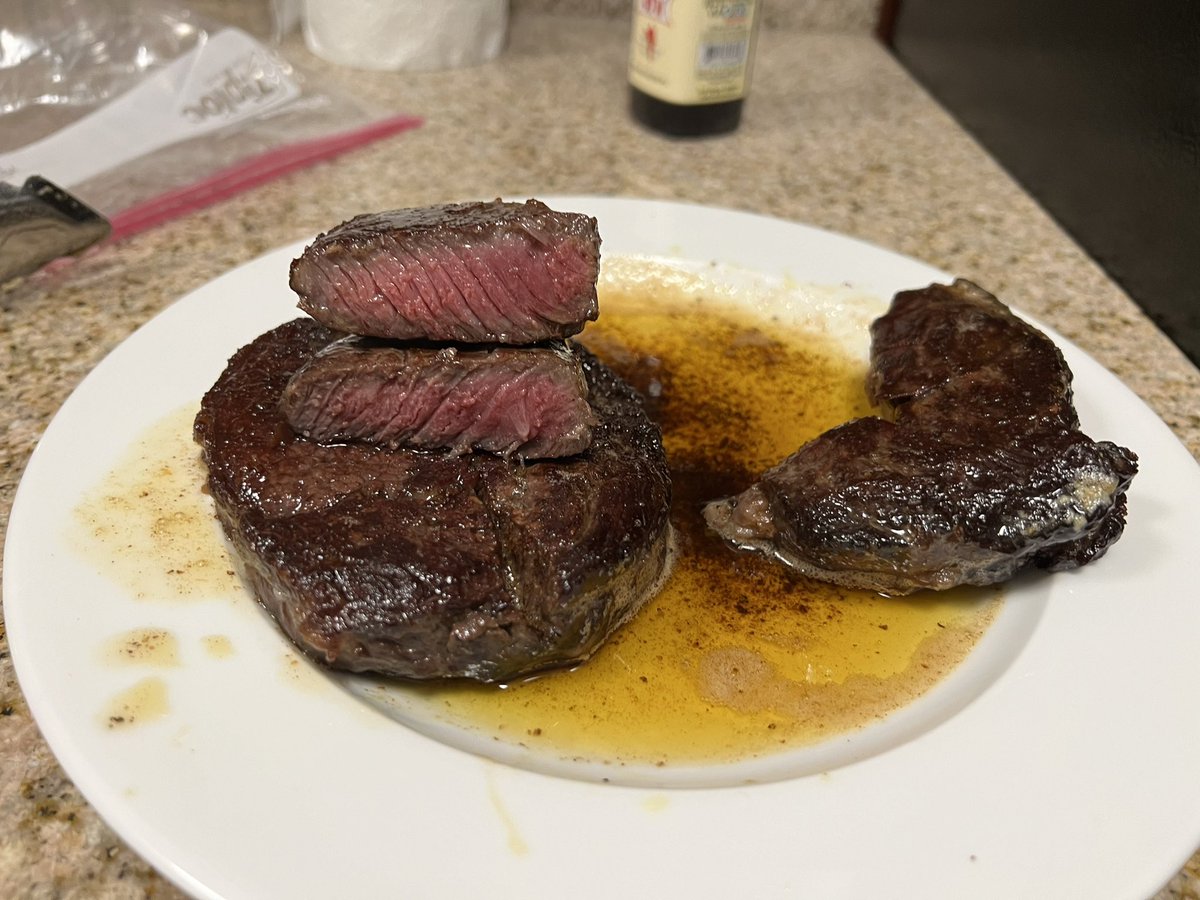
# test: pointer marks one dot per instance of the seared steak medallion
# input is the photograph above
(980, 472)
(428, 564)
(528, 403)
(510, 273)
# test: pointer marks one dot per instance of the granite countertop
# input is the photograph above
(836, 134)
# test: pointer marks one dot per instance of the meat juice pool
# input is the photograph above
(736, 657)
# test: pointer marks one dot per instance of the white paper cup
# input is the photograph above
(405, 34)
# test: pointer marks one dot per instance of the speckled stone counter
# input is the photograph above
(836, 135)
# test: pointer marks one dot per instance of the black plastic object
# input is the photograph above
(40, 222)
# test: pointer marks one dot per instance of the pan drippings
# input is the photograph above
(736, 657)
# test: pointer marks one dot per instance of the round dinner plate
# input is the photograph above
(1061, 761)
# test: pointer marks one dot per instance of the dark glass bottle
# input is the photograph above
(689, 64)
(679, 120)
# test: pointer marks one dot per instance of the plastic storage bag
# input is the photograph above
(146, 110)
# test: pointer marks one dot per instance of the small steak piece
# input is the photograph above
(530, 403)
(508, 273)
(981, 472)
(429, 565)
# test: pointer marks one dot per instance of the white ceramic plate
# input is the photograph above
(1059, 761)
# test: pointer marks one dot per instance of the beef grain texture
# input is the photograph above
(981, 472)
(426, 565)
(528, 402)
(509, 273)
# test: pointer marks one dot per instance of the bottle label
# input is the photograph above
(692, 51)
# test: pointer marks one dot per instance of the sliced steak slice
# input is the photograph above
(428, 565)
(530, 402)
(981, 473)
(510, 273)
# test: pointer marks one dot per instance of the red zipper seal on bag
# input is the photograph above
(250, 173)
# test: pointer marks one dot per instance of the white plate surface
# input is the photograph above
(1064, 765)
